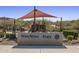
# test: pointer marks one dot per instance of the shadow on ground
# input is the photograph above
(40, 46)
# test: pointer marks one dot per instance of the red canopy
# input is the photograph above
(38, 13)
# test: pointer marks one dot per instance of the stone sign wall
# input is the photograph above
(40, 38)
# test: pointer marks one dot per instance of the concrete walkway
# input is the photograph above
(10, 49)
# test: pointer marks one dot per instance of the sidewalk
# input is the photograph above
(10, 49)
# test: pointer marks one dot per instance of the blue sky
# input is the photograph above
(67, 12)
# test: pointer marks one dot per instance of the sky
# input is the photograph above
(66, 12)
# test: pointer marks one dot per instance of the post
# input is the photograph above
(34, 15)
(20, 24)
(43, 25)
(4, 28)
(61, 24)
(33, 27)
(43, 21)
(14, 27)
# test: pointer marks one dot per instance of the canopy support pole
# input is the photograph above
(42, 20)
(34, 15)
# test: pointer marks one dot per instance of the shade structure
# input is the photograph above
(37, 14)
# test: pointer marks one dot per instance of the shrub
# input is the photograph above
(70, 37)
(7, 35)
(70, 32)
(1, 34)
(10, 36)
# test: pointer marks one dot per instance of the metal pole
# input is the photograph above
(42, 20)
(34, 15)
(14, 27)
(4, 29)
(60, 23)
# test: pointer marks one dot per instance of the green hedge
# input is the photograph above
(70, 32)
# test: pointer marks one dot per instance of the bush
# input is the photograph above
(8, 35)
(11, 36)
(70, 37)
(70, 32)
(1, 34)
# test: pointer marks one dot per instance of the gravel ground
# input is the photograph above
(8, 42)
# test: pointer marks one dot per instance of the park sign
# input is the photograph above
(40, 38)
(38, 33)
